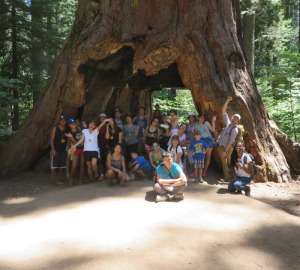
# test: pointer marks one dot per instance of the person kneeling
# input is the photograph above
(242, 168)
(139, 165)
(171, 181)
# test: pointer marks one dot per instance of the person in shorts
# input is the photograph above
(199, 148)
(77, 155)
(90, 149)
(58, 155)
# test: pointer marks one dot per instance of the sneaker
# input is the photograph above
(192, 174)
(204, 173)
(196, 180)
(200, 180)
(179, 196)
(161, 198)
(247, 191)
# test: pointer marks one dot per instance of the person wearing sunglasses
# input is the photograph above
(155, 157)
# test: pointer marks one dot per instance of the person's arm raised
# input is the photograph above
(224, 109)
(102, 124)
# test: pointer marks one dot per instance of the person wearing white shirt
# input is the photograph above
(243, 170)
(91, 149)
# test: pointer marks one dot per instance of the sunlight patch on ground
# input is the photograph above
(17, 200)
(110, 224)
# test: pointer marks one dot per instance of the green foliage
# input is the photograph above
(5, 107)
(277, 63)
(31, 36)
(183, 102)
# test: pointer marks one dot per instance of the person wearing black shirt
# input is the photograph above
(58, 155)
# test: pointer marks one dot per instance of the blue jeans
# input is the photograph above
(239, 184)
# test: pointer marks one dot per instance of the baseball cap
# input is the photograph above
(102, 115)
(71, 121)
(63, 117)
(167, 154)
(191, 114)
(238, 116)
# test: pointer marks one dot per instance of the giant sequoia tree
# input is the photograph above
(118, 52)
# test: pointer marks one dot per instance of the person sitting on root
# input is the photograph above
(139, 165)
(242, 169)
(171, 181)
(116, 169)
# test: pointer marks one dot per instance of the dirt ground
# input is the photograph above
(93, 226)
(285, 196)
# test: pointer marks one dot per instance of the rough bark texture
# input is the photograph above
(147, 45)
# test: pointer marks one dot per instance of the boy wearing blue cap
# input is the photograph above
(77, 155)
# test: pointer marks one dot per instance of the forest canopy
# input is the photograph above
(32, 34)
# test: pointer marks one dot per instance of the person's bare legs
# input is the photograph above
(136, 170)
(207, 158)
(90, 170)
(53, 174)
(73, 170)
(81, 161)
(95, 167)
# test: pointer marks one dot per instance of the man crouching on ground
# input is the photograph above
(171, 181)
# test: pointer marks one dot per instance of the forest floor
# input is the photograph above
(285, 196)
(94, 226)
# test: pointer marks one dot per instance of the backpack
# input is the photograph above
(183, 154)
(239, 136)
(255, 167)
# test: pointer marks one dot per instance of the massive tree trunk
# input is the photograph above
(119, 51)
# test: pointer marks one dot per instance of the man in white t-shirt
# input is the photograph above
(91, 149)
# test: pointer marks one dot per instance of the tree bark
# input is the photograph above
(248, 34)
(115, 43)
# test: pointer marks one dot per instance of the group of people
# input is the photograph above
(160, 148)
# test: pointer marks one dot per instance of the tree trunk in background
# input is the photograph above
(14, 67)
(115, 43)
(36, 47)
(248, 30)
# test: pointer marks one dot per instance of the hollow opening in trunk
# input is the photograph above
(110, 83)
